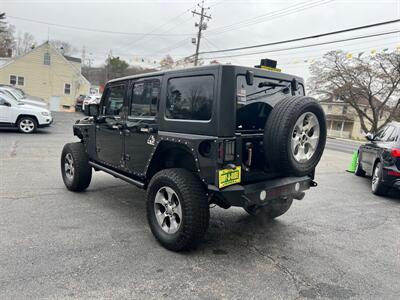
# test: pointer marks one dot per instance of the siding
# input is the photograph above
(46, 81)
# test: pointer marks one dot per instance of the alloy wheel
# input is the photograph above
(27, 125)
(305, 137)
(376, 177)
(69, 168)
(168, 210)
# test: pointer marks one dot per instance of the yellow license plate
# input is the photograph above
(229, 176)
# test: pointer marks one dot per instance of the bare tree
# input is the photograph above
(24, 43)
(373, 80)
(167, 62)
(64, 47)
(7, 42)
(3, 23)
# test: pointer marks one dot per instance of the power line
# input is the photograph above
(163, 33)
(171, 47)
(306, 46)
(302, 52)
(97, 30)
(271, 15)
(304, 38)
(302, 60)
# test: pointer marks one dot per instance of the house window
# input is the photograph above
(329, 108)
(13, 79)
(67, 89)
(46, 59)
(21, 80)
(345, 109)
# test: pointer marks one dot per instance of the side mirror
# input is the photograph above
(369, 136)
(7, 104)
(249, 78)
(92, 110)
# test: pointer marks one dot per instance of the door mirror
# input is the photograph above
(6, 104)
(369, 136)
(92, 110)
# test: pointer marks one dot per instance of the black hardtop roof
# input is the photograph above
(240, 69)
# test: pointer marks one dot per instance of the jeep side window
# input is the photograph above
(114, 101)
(145, 97)
(190, 98)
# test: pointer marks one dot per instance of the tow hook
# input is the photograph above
(313, 183)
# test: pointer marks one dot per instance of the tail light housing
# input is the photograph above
(395, 152)
(226, 150)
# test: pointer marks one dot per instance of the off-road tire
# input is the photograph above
(380, 189)
(278, 134)
(272, 210)
(31, 121)
(82, 170)
(359, 170)
(194, 204)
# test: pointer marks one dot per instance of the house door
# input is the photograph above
(55, 103)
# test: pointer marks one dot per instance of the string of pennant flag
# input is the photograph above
(349, 55)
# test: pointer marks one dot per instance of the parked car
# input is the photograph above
(25, 95)
(27, 118)
(215, 135)
(380, 159)
(79, 102)
(19, 96)
(91, 99)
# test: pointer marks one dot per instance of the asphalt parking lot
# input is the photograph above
(339, 242)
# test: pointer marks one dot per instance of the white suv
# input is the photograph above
(18, 95)
(27, 118)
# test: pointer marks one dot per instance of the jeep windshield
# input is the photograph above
(253, 102)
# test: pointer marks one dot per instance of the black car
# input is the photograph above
(380, 159)
(214, 135)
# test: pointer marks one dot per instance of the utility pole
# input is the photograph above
(202, 26)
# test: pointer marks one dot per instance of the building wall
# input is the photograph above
(46, 81)
(352, 125)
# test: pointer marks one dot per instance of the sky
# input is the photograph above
(101, 26)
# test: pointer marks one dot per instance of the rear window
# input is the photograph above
(190, 98)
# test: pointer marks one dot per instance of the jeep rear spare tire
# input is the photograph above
(295, 136)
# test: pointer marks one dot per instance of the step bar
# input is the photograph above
(116, 174)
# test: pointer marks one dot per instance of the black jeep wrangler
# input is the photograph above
(220, 134)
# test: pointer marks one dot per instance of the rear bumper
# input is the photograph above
(250, 194)
(396, 184)
(391, 177)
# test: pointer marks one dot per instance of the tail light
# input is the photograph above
(226, 150)
(395, 152)
(394, 173)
